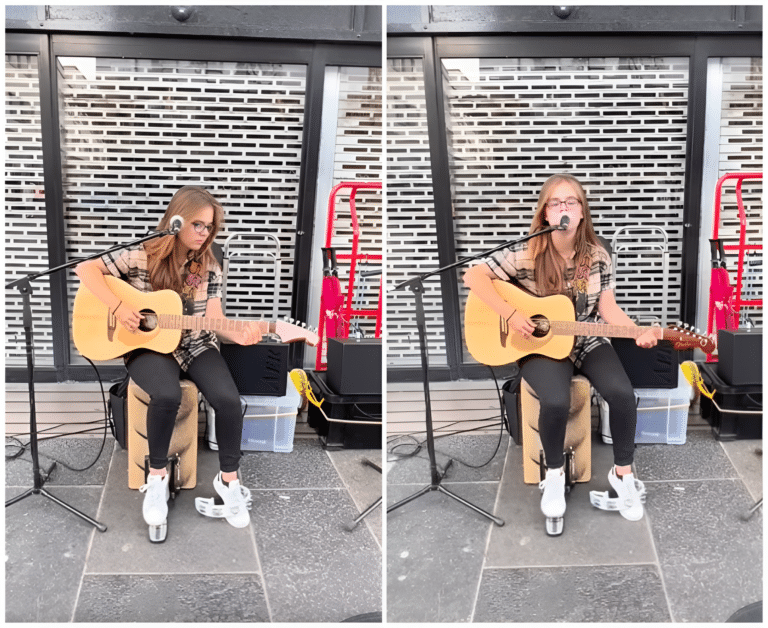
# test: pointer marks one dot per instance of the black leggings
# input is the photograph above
(551, 381)
(158, 375)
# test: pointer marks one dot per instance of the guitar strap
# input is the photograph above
(191, 282)
(581, 282)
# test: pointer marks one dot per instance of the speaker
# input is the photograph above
(740, 356)
(648, 368)
(354, 366)
(260, 369)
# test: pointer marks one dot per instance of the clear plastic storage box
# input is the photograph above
(268, 422)
(662, 414)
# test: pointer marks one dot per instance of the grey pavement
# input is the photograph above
(692, 558)
(296, 561)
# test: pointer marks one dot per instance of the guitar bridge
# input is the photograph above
(111, 326)
(503, 331)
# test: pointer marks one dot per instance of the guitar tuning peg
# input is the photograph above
(698, 331)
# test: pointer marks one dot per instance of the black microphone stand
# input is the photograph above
(25, 288)
(416, 285)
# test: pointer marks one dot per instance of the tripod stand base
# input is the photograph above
(461, 500)
(41, 491)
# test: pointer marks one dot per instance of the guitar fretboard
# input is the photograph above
(576, 328)
(203, 323)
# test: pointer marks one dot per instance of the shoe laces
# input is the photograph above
(234, 497)
(551, 480)
(631, 495)
(155, 490)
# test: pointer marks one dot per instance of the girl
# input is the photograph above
(183, 263)
(570, 262)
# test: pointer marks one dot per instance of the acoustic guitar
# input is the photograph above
(491, 341)
(99, 336)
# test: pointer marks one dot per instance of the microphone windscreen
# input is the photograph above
(177, 222)
(564, 222)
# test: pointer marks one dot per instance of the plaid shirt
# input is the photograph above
(199, 286)
(584, 292)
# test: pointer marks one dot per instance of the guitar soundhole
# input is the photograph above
(542, 325)
(149, 322)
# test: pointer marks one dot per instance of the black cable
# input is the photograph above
(420, 445)
(23, 447)
(448, 426)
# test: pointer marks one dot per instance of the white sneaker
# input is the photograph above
(155, 508)
(235, 504)
(629, 500)
(553, 499)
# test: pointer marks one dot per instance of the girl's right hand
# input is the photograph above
(128, 317)
(521, 324)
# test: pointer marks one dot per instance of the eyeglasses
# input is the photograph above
(570, 203)
(199, 227)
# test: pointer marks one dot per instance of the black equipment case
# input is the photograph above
(366, 408)
(731, 425)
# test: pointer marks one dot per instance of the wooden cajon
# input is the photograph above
(578, 433)
(183, 442)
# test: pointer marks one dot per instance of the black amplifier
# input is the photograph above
(740, 356)
(260, 369)
(648, 368)
(354, 366)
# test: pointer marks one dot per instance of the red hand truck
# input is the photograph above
(336, 311)
(725, 301)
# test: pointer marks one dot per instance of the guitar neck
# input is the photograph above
(576, 328)
(203, 323)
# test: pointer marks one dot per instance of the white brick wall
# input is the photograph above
(26, 241)
(135, 130)
(617, 124)
(358, 157)
(411, 241)
(741, 150)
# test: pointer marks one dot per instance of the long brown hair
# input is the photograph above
(163, 272)
(550, 266)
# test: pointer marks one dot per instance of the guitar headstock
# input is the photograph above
(295, 331)
(684, 338)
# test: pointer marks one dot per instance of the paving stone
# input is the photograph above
(307, 466)
(45, 550)
(701, 457)
(73, 452)
(195, 543)
(172, 598)
(463, 450)
(631, 593)
(315, 570)
(435, 552)
(365, 484)
(590, 536)
(747, 457)
(711, 559)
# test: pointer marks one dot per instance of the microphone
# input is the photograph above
(177, 222)
(563, 224)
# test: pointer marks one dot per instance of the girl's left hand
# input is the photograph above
(647, 340)
(249, 335)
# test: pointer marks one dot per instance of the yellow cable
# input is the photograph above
(692, 374)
